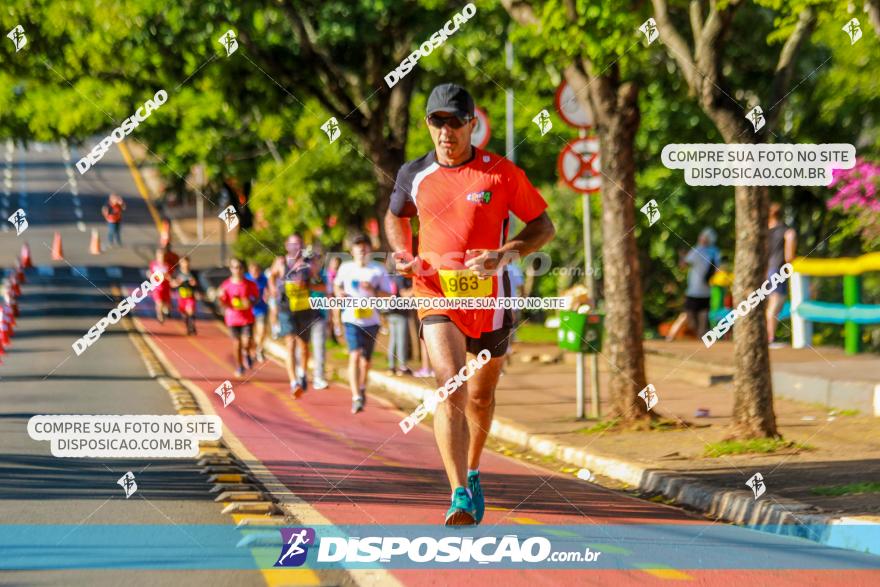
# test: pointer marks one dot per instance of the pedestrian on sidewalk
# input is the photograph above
(295, 315)
(112, 212)
(781, 249)
(238, 294)
(318, 288)
(398, 327)
(360, 278)
(702, 261)
(161, 294)
(475, 191)
(261, 308)
(186, 284)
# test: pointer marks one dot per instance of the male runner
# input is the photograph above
(462, 197)
(360, 278)
(295, 315)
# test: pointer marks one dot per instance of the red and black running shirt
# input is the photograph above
(463, 207)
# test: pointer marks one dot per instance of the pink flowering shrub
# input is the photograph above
(858, 196)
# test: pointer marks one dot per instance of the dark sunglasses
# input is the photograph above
(454, 122)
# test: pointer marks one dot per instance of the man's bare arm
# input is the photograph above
(399, 233)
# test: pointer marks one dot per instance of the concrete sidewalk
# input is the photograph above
(536, 412)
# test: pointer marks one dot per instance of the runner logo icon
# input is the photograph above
(479, 197)
(295, 546)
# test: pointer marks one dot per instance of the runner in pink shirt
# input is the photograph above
(238, 296)
(162, 294)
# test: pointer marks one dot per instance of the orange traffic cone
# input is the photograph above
(26, 256)
(57, 253)
(95, 245)
(14, 287)
(19, 271)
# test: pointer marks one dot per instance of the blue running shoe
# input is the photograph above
(461, 512)
(477, 493)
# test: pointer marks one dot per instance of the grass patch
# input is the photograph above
(599, 427)
(851, 489)
(536, 333)
(662, 425)
(753, 446)
(847, 413)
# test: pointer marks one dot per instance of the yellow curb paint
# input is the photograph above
(527, 521)
(139, 183)
(669, 574)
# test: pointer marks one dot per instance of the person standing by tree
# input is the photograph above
(112, 212)
(703, 261)
(781, 249)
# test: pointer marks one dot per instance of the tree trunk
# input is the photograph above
(753, 414)
(385, 141)
(386, 162)
(617, 115)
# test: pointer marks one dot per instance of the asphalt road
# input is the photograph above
(41, 374)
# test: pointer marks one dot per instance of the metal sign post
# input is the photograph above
(578, 165)
(591, 292)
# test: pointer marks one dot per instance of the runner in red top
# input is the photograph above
(112, 212)
(162, 293)
(238, 296)
(462, 197)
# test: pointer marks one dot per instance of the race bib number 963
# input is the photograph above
(464, 284)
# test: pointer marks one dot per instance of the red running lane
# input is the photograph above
(363, 470)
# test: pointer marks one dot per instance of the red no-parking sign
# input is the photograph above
(570, 110)
(482, 131)
(578, 165)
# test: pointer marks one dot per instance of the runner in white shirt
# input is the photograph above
(360, 278)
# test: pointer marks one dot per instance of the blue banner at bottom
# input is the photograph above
(619, 547)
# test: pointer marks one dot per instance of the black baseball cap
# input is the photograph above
(452, 99)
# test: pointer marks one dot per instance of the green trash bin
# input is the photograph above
(581, 333)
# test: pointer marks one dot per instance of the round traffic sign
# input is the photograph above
(578, 165)
(482, 131)
(570, 110)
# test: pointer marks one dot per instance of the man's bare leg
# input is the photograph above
(446, 350)
(354, 358)
(676, 326)
(774, 304)
(481, 408)
(290, 358)
(364, 367)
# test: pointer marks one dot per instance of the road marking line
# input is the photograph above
(139, 183)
